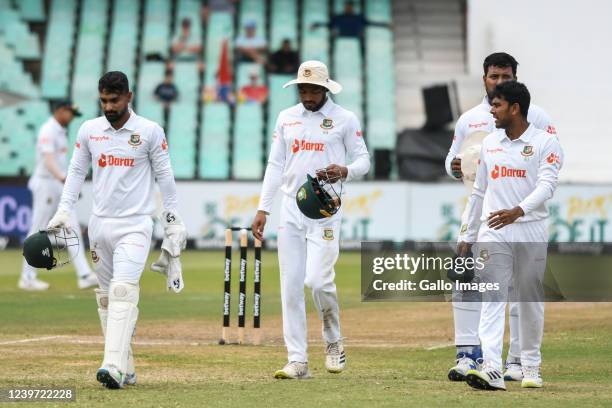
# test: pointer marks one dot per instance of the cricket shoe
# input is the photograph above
(33, 284)
(487, 378)
(294, 370)
(130, 379)
(110, 377)
(464, 364)
(532, 377)
(88, 281)
(335, 359)
(514, 371)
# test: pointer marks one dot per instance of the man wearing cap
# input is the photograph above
(310, 138)
(46, 184)
(461, 164)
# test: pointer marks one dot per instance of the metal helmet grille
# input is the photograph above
(65, 244)
(330, 195)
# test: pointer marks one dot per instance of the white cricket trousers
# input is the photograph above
(515, 256)
(46, 194)
(466, 316)
(307, 252)
(119, 247)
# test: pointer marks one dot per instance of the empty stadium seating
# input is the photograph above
(207, 139)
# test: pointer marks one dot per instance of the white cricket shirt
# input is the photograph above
(306, 141)
(126, 162)
(52, 139)
(479, 118)
(521, 172)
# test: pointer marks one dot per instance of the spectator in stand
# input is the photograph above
(250, 46)
(166, 92)
(349, 24)
(254, 91)
(186, 46)
(285, 60)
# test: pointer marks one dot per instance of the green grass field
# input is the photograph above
(398, 353)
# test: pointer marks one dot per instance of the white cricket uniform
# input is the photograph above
(305, 141)
(126, 163)
(47, 190)
(467, 313)
(521, 172)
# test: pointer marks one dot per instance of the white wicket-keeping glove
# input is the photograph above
(175, 239)
(175, 234)
(171, 268)
(61, 219)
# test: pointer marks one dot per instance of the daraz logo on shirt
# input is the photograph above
(307, 146)
(503, 171)
(115, 161)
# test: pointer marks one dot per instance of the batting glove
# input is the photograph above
(61, 219)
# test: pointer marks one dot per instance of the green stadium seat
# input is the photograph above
(58, 45)
(220, 27)
(380, 89)
(187, 81)
(247, 152)
(155, 40)
(32, 10)
(214, 141)
(379, 10)
(151, 75)
(315, 43)
(123, 38)
(181, 137)
(280, 99)
(283, 24)
(348, 72)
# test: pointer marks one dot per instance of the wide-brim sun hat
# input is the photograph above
(315, 73)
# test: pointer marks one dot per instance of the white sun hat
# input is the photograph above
(470, 157)
(316, 73)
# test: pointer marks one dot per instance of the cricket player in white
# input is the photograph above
(312, 135)
(517, 174)
(498, 67)
(128, 154)
(46, 185)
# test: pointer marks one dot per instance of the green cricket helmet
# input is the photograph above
(317, 199)
(51, 248)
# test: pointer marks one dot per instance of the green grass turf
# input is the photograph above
(398, 353)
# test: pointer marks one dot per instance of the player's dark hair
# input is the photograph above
(501, 60)
(114, 82)
(514, 92)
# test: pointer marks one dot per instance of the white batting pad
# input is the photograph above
(122, 316)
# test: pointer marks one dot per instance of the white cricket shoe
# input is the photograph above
(514, 372)
(130, 379)
(335, 359)
(110, 377)
(458, 372)
(487, 378)
(33, 284)
(88, 281)
(532, 377)
(294, 370)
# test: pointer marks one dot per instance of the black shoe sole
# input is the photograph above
(475, 381)
(104, 377)
(453, 375)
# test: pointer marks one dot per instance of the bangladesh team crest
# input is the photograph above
(301, 195)
(328, 234)
(327, 124)
(94, 256)
(484, 254)
(135, 140)
(527, 151)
